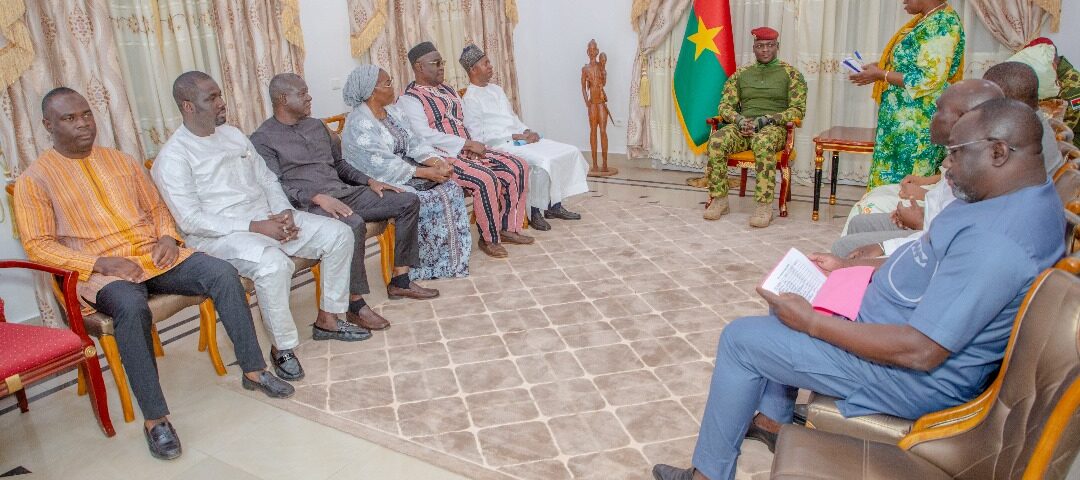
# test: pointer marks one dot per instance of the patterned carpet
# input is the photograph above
(585, 355)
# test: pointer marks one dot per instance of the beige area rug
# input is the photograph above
(585, 355)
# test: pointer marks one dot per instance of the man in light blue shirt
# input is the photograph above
(935, 319)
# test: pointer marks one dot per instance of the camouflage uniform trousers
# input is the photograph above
(765, 143)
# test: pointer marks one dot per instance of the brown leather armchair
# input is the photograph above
(1026, 425)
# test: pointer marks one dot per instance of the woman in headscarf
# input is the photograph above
(918, 63)
(377, 141)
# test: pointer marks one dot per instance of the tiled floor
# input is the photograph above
(587, 354)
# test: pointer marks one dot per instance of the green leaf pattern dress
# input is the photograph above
(928, 56)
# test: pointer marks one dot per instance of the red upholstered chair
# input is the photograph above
(30, 353)
(745, 161)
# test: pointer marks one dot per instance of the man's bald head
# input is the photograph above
(186, 87)
(68, 118)
(284, 84)
(957, 100)
(290, 98)
(996, 149)
(1017, 80)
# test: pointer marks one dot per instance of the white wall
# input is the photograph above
(1068, 39)
(16, 287)
(549, 48)
(328, 60)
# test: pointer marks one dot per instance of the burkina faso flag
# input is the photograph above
(706, 60)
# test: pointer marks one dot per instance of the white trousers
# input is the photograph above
(323, 238)
(557, 171)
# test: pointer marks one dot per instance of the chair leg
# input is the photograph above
(208, 324)
(742, 183)
(202, 336)
(91, 371)
(158, 351)
(386, 252)
(785, 190)
(112, 357)
(81, 383)
(316, 273)
(20, 396)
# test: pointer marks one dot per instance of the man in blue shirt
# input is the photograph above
(935, 319)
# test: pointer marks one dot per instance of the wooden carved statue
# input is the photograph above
(593, 79)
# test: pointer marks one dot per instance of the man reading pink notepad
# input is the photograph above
(839, 293)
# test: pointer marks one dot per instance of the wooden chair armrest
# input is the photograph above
(335, 123)
(70, 298)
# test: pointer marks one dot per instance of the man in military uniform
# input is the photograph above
(759, 100)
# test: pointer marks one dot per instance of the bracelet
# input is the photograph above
(886, 76)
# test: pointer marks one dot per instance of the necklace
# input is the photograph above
(932, 10)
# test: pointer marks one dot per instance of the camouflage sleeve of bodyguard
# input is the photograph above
(796, 98)
(1069, 79)
(729, 104)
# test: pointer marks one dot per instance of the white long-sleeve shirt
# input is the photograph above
(216, 186)
(489, 116)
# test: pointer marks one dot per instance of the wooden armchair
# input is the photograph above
(162, 307)
(29, 353)
(745, 161)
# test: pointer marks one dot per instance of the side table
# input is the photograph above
(837, 139)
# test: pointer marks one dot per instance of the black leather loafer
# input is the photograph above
(162, 441)
(269, 384)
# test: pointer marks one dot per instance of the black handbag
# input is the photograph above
(421, 184)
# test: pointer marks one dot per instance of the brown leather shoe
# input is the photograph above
(414, 291)
(367, 318)
(493, 250)
(516, 238)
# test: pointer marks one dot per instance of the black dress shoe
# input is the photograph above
(762, 435)
(286, 365)
(537, 222)
(667, 472)
(269, 384)
(561, 213)
(799, 416)
(162, 441)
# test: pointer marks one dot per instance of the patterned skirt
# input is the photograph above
(445, 241)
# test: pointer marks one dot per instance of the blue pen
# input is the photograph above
(858, 56)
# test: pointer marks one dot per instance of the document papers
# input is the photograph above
(839, 293)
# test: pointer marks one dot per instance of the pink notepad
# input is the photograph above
(843, 292)
(840, 293)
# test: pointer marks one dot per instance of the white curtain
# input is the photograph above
(814, 36)
(157, 42)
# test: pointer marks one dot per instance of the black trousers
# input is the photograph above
(368, 206)
(200, 274)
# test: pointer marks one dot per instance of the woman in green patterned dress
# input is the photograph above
(918, 63)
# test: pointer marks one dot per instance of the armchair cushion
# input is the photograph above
(23, 347)
(803, 453)
(822, 414)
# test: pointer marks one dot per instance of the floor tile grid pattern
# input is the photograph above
(586, 354)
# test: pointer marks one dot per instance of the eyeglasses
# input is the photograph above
(389, 84)
(437, 63)
(953, 149)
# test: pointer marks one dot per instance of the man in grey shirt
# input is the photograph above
(306, 157)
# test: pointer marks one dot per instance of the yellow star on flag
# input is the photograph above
(705, 38)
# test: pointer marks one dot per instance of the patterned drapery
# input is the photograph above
(158, 41)
(654, 22)
(16, 50)
(382, 31)
(815, 35)
(1014, 23)
(74, 47)
(253, 45)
